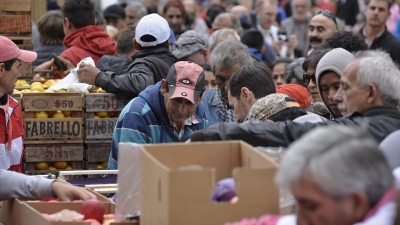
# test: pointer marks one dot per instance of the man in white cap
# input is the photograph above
(11, 138)
(150, 64)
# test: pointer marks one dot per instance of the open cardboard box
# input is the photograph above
(171, 195)
(12, 209)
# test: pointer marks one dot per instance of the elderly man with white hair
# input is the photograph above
(344, 179)
(368, 96)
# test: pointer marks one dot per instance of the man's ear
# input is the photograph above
(245, 94)
(135, 44)
(67, 23)
(360, 204)
(164, 87)
(2, 69)
(373, 94)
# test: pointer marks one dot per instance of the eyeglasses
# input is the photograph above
(326, 13)
(307, 78)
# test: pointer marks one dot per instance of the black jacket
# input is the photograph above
(116, 63)
(388, 43)
(347, 11)
(141, 73)
(380, 121)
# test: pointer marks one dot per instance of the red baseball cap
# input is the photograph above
(186, 80)
(9, 50)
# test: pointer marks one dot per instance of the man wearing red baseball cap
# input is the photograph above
(12, 131)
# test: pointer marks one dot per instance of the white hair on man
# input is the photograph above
(217, 36)
(377, 67)
(230, 52)
(341, 160)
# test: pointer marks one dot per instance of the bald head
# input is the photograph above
(321, 28)
(227, 20)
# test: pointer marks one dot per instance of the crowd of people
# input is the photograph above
(317, 77)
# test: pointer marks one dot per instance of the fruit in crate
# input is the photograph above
(37, 87)
(99, 166)
(41, 114)
(67, 113)
(93, 209)
(58, 115)
(21, 83)
(68, 167)
(41, 166)
(104, 164)
(60, 165)
(102, 114)
(50, 82)
(52, 168)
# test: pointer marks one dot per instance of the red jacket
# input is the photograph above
(88, 41)
(11, 135)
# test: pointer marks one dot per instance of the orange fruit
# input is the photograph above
(60, 165)
(41, 166)
(51, 168)
(104, 164)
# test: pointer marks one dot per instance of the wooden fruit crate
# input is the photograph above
(97, 152)
(15, 23)
(96, 102)
(53, 130)
(15, 17)
(100, 130)
(54, 152)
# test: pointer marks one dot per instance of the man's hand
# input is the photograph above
(292, 42)
(68, 192)
(87, 73)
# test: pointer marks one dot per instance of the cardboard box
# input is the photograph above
(171, 195)
(12, 209)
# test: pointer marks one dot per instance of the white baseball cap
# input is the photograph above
(155, 26)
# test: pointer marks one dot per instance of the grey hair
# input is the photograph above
(230, 52)
(294, 70)
(346, 162)
(223, 33)
(137, 5)
(376, 67)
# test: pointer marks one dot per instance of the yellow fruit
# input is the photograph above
(99, 90)
(48, 91)
(63, 90)
(41, 166)
(67, 113)
(60, 165)
(49, 82)
(69, 167)
(104, 164)
(41, 115)
(58, 115)
(99, 166)
(102, 114)
(51, 168)
(37, 87)
(96, 117)
(16, 91)
(36, 83)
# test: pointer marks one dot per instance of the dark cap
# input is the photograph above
(114, 11)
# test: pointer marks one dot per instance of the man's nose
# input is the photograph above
(338, 97)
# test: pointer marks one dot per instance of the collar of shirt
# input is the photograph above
(194, 119)
(369, 41)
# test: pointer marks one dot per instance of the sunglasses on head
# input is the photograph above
(326, 13)
(307, 78)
